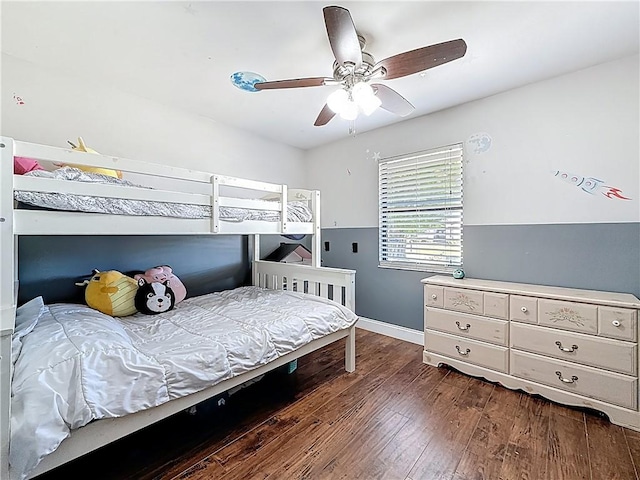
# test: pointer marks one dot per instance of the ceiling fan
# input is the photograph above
(354, 70)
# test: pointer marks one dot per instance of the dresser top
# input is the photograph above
(559, 293)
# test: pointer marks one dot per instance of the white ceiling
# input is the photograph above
(183, 53)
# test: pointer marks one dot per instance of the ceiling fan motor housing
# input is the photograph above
(341, 73)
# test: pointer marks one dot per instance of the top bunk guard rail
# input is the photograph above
(63, 155)
(224, 191)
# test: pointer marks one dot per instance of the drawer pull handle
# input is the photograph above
(524, 309)
(565, 349)
(573, 378)
(616, 323)
(465, 353)
(465, 328)
(434, 296)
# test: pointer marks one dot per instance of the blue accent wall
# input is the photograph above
(50, 265)
(589, 256)
(593, 256)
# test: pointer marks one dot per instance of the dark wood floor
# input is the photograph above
(394, 418)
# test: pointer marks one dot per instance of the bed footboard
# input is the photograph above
(337, 284)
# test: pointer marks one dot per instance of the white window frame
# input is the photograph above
(420, 220)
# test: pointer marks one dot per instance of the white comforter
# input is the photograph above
(78, 365)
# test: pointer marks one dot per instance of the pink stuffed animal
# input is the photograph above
(161, 274)
(22, 165)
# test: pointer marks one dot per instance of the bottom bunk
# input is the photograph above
(108, 377)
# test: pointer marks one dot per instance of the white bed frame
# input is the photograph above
(336, 284)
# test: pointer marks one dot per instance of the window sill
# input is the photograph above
(419, 268)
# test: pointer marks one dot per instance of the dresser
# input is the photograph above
(576, 347)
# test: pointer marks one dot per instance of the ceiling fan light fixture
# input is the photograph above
(369, 104)
(361, 91)
(337, 100)
(365, 97)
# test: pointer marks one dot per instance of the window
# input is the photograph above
(421, 210)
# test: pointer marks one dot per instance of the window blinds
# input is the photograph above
(420, 210)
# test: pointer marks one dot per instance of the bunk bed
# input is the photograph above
(224, 205)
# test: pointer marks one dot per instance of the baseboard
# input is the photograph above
(390, 330)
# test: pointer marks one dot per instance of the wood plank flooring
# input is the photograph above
(394, 418)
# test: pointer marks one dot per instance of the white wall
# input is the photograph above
(58, 107)
(586, 123)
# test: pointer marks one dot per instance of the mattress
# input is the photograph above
(296, 211)
(76, 365)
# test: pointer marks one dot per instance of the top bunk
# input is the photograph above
(150, 199)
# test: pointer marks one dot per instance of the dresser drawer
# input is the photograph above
(468, 301)
(617, 323)
(496, 305)
(478, 353)
(523, 309)
(468, 326)
(577, 317)
(609, 387)
(433, 296)
(575, 347)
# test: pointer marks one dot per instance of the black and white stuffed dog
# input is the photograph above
(153, 298)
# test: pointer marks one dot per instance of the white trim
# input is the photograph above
(390, 330)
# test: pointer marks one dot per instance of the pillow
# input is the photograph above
(27, 317)
(22, 165)
(29, 312)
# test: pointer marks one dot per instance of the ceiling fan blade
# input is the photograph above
(421, 59)
(392, 101)
(325, 115)
(293, 83)
(342, 35)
